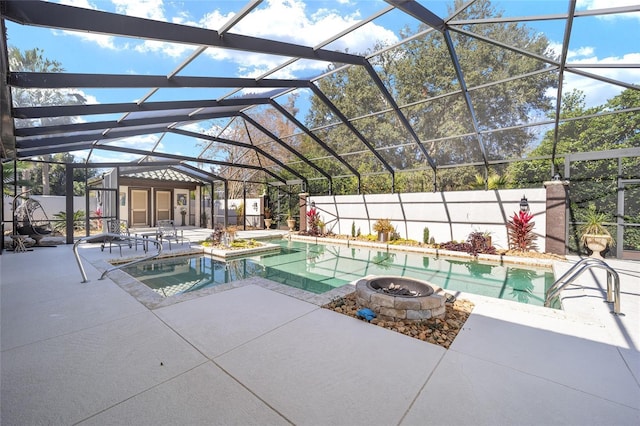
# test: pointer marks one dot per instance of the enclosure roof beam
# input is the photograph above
(7, 137)
(102, 125)
(54, 80)
(200, 171)
(312, 135)
(467, 99)
(35, 142)
(287, 147)
(185, 158)
(350, 126)
(72, 18)
(236, 143)
(78, 110)
(111, 164)
(419, 12)
(563, 61)
(403, 119)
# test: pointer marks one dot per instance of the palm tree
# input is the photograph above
(34, 61)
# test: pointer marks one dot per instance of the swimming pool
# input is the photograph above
(320, 268)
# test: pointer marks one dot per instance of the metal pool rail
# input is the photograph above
(613, 282)
(108, 234)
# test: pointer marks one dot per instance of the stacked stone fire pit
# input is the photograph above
(400, 298)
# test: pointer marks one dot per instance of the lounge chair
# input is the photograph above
(121, 228)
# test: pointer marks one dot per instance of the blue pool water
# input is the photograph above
(319, 268)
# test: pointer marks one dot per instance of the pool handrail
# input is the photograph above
(109, 234)
(613, 285)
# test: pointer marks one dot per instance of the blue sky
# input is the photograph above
(610, 39)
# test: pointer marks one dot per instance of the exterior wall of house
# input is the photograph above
(123, 202)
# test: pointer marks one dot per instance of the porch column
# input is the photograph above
(263, 203)
(302, 202)
(69, 202)
(556, 232)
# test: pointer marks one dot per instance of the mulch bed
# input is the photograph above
(440, 332)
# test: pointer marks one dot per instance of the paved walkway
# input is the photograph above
(91, 353)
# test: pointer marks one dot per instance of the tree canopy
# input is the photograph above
(420, 75)
(42, 177)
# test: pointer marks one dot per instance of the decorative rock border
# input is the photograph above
(395, 307)
(233, 253)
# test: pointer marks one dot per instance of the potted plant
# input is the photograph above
(183, 212)
(383, 227)
(593, 234)
(267, 218)
(291, 222)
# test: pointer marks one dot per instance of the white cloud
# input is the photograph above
(173, 50)
(606, 4)
(145, 142)
(581, 52)
(287, 21)
(148, 9)
(103, 41)
(281, 20)
(597, 92)
(79, 3)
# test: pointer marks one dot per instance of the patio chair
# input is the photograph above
(30, 219)
(167, 231)
(121, 228)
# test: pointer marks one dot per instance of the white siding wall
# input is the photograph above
(448, 215)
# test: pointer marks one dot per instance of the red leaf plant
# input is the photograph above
(313, 219)
(520, 231)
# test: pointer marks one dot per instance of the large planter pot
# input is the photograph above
(383, 237)
(597, 244)
(291, 223)
(267, 223)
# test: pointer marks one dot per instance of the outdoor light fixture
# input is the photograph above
(255, 206)
(313, 204)
(556, 177)
(524, 204)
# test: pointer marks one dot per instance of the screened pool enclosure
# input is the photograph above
(369, 97)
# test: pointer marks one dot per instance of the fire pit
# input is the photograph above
(400, 298)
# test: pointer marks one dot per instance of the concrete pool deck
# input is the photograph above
(74, 353)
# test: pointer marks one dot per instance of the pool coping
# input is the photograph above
(152, 300)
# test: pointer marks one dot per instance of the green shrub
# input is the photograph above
(425, 235)
(60, 224)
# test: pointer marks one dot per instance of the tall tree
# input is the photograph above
(33, 60)
(603, 132)
(420, 75)
(244, 131)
